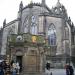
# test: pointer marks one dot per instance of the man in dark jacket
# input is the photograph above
(48, 66)
(71, 70)
(67, 70)
(1, 69)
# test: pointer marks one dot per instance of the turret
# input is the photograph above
(4, 23)
(43, 3)
(69, 21)
(72, 24)
(58, 5)
(20, 17)
(21, 6)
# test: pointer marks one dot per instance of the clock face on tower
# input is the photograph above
(33, 19)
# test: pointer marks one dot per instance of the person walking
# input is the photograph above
(4, 66)
(17, 68)
(1, 69)
(67, 70)
(47, 71)
(48, 66)
(71, 70)
(13, 69)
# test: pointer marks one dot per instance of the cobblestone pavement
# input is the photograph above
(54, 72)
(32, 74)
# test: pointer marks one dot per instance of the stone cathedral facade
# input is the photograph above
(39, 35)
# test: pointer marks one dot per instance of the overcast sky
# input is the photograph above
(9, 8)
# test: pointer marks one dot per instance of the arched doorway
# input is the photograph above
(19, 57)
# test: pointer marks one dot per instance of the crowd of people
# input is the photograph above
(13, 68)
(9, 68)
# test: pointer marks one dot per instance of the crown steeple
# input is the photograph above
(4, 23)
(21, 6)
(58, 4)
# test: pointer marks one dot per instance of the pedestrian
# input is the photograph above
(11, 63)
(48, 66)
(67, 70)
(4, 66)
(71, 70)
(17, 68)
(1, 69)
(13, 69)
(47, 71)
(7, 68)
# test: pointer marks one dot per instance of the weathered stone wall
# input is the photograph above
(26, 13)
(9, 29)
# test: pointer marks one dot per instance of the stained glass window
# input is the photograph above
(51, 34)
(33, 25)
(26, 29)
(26, 25)
(34, 29)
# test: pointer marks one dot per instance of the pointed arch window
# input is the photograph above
(33, 29)
(66, 32)
(10, 31)
(33, 25)
(51, 34)
(25, 27)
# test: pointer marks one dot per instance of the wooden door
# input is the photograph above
(32, 62)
